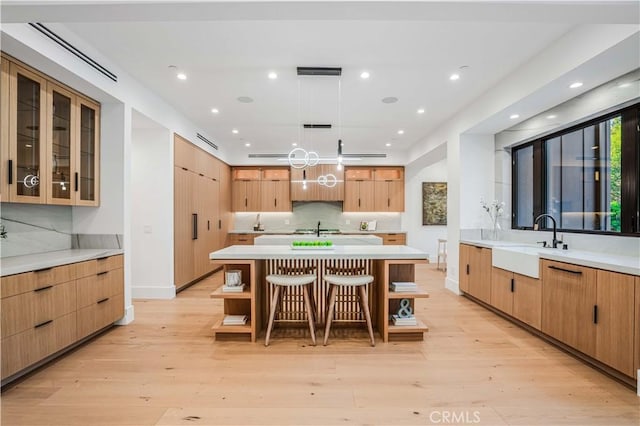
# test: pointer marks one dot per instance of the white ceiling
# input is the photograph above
(410, 49)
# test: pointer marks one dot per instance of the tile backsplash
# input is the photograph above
(307, 215)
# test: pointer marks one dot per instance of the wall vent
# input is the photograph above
(320, 71)
(364, 155)
(268, 155)
(207, 141)
(317, 126)
(74, 50)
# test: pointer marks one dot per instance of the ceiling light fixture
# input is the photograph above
(304, 180)
(623, 85)
(294, 144)
(247, 144)
(454, 77)
(551, 116)
(387, 144)
(421, 111)
(272, 75)
(214, 110)
(234, 131)
(181, 76)
(575, 85)
(364, 75)
(514, 116)
(401, 132)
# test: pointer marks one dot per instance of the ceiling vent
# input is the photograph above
(73, 50)
(320, 71)
(364, 155)
(317, 126)
(207, 141)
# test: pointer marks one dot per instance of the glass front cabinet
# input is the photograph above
(50, 148)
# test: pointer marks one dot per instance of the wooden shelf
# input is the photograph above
(420, 294)
(419, 328)
(219, 328)
(219, 294)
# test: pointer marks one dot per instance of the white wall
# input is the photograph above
(476, 179)
(152, 213)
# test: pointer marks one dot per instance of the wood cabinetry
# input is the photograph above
(636, 331)
(568, 299)
(517, 295)
(393, 238)
(389, 189)
(50, 140)
(315, 191)
(358, 196)
(201, 211)
(261, 189)
(475, 272)
(47, 311)
(240, 239)
(275, 190)
(245, 189)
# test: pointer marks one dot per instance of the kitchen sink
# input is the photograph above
(524, 260)
(310, 231)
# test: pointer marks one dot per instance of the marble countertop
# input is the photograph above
(606, 261)
(336, 239)
(336, 252)
(33, 262)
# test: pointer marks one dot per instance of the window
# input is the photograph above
(586, 177)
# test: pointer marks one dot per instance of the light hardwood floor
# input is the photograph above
(166, 369)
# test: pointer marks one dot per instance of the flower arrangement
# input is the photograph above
(495, 210)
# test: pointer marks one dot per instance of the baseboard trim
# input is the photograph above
(452, 285)
(153, 292)
(128, 316)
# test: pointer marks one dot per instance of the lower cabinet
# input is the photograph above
(44, 312)
(517, 295)
(475, 272)
(240, 239)
(395, 238)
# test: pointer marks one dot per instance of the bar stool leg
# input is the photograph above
(364, 303)
(332, 305)
(272, 314)
(307, 302)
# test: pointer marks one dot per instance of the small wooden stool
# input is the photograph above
(360, 281)
(442, 253)
(281, 282)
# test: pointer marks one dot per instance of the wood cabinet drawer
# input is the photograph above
(26, 310)
(100, 314)
(100, 286)
(29, 281)
(393, 239)
(109, 263)
(26, 348)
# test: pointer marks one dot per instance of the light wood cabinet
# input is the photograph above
(463, 274)
(478, 270)
(517, 295)
(50, 140)
(614, 318)
(389, 189)
(315, 191)
(201, 211)
(245, 196)
(393, 238)
(47, 311)
(275, 190)
(637, 330)
(568, 299)
(4, 128)
(358, 196)
(241, 239)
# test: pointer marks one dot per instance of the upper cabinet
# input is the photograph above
(379, 189)
(314, 190)
(50, 141)
(260, 189)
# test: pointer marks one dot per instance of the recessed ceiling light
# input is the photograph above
(273, 75)
(623, 85)
(387, 144)
(214, 110)
(401, 132)
(389, 100)
(245, 99)
(551, 116)
(247, 144)
(575, 85)
(294, 144)
(514, 116)
(365, 74)
(454, 77)
(181, 76)
(421, 111)
(234, 131)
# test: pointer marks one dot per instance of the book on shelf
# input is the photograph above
(404, 321)
(403, 286)
(234, 320)
(233, 288)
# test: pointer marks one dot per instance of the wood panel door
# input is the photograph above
(4, 128)
(502, 288)
(389, 196)
(527, 300)
(465, 266)
(183, 226)
(245, 196)
(480, 273)
(359, 196)
(206, 221)
(224, 204)
(275, 196)
(614, 320)
(568, 298)
(87, 150)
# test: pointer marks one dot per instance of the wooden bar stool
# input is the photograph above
(348, 280)
(281, 283)
(442, 253)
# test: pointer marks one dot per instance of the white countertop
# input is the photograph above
(337, 252)
(336, 239)
(343, 232)
(33, 262)
(609, 262)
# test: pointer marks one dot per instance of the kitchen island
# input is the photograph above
(336, 239)
(386, 263)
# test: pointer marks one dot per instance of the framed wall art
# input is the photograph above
(434, 203)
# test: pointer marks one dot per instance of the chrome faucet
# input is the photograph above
(555, 241)
(318, 229)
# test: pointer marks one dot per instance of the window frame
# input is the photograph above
(630, 173)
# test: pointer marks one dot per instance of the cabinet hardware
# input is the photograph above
(595, 314)
(42, 324)
(44, 269)
(201, 174)
(102, 300)
(76, 181)
(275, 202)
(388, 202)
(513, 284)
(43, 288)
(194, 226)
(358, 202)
(245, 201)
(468, 269)
(557, 268)
(208, 225)
(219, 223)
(10, 177)
(103, 257)
(102, 273)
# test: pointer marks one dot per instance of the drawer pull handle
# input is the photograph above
(10, 177)
(595, 314)
(102, 300)
(43, 288)
(42, 324)
(44, 269)
(103, 257)
(565, 270)
(102, 273)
